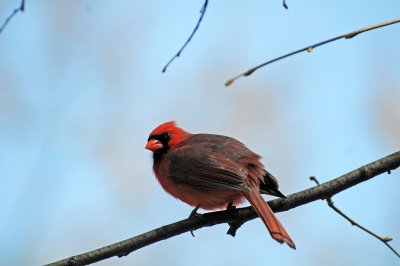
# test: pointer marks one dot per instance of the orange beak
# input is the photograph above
(154, 145)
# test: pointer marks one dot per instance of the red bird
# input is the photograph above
(213, 172)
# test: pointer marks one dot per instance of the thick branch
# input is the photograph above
(310, 48)
(323, 191)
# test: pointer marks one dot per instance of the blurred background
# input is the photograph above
(81, 88)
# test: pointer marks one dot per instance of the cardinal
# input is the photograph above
(213, 172)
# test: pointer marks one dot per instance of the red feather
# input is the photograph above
(213, 171)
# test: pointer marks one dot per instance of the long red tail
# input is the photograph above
(275, 228)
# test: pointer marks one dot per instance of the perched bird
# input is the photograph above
(213, 172)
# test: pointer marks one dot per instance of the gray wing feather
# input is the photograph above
(205, 168)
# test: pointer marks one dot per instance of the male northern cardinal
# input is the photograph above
(213, 172)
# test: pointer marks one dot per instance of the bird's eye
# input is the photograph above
(167, 135)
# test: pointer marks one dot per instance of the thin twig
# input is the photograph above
(202, 12)
(310, 48)
(285, 5)
(385, 240)
(21, 8)
(322, 191)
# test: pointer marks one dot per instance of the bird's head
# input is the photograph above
(165, 137)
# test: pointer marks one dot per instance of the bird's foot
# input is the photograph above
(230, 206)
(194, 213)
(233, 226)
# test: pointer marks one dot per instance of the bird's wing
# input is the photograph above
(270, 185)
(203, 167)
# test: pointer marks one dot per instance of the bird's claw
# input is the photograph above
(233, 226)
(194, 214)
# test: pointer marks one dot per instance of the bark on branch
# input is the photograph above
(322, 191)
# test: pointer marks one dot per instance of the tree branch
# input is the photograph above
(202, 12)
(323, 191)
(310, 49)
(21, 8)
(285, 5)
(331, 204)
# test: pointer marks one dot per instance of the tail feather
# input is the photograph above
(274, 227)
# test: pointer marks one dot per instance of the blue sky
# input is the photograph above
(81, 88)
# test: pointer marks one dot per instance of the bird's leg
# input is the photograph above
(230, 206)
(233, 226)
(193, 214)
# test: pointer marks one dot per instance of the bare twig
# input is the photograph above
(20, 8)
(285, 5)
(310, 48)
(202, 12)
(322, 191)
(385, 240)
